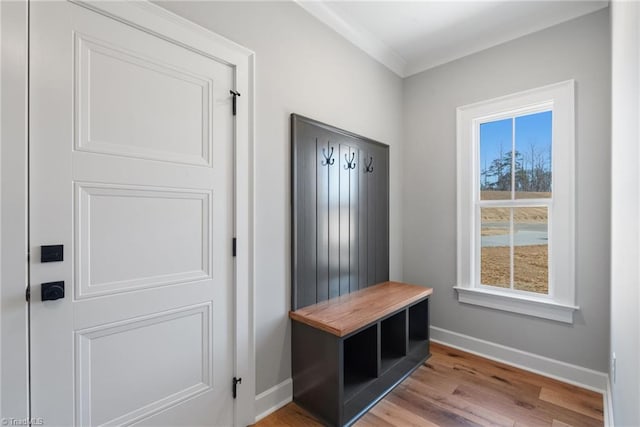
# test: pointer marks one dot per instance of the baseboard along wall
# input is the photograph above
(273, 399)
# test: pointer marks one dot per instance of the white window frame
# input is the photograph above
(559, 303)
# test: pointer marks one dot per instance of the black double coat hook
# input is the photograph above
(328, 160)
(350, 163)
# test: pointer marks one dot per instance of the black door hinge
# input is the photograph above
(233, 246)
(235, 95)
(236, 381)
(28, 293)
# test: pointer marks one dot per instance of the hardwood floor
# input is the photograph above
(454, 388)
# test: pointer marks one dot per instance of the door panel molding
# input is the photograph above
(196, 92)
(92, 200)
(87, 355)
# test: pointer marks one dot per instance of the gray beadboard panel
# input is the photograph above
(382, 233)
(322, 220)
(344, 234)
(372, 214)
(363, 227)
(304, 186)
(333, 218)
(354, 229)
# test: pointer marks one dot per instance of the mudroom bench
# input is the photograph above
(348, 352)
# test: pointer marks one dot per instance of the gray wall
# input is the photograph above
(625, 211)
(579, 50)
(304, 67)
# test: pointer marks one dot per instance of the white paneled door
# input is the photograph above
(131, 166)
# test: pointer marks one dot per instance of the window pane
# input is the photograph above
(495, 241)
(530, 251)
(495, 159)
(533, 156)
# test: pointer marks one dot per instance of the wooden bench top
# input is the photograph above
(347, 313)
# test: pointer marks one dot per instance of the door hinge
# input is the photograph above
(233, 246)
(235, 95)
(27, 293)
(236, 381)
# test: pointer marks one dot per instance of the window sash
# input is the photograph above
(512, 115)
(477, 238)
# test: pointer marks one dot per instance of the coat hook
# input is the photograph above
(350, 163)
(369, 167)
(328, 160)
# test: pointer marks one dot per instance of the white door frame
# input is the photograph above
(153, 19)
(14, 367)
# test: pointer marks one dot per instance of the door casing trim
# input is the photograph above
(14, 310)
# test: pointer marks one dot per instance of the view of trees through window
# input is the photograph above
(515, 164)
(531, 172)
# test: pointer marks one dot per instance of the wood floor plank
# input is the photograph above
(578, 403)
(521, 395)
(425, 409)
(557, 423)
(515, 406)
(290, 415)
(524, 408)
(569, 416)
(488, 370)
(455, 388)
(428, 375)
(513, 374)
(373, 420)
(449, 402)
(396, 415)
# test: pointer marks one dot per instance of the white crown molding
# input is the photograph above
(383, 53)
(433, 61)
(360, 37)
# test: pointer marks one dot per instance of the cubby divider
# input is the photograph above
(418, 325)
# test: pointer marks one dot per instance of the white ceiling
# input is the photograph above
(412, 36)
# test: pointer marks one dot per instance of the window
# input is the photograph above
(516, 203)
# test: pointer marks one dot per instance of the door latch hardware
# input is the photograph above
(51, 253)
(51, 291)
(236, 381)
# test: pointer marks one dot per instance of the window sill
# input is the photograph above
(545, 309)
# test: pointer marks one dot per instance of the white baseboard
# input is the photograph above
(273, 399)
(566, 372)
(608, 406)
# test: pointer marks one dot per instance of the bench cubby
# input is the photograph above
(393, 340)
